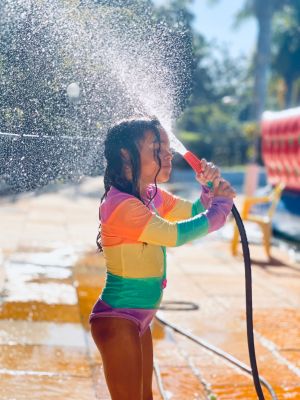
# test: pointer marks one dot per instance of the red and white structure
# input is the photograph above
(281, 147)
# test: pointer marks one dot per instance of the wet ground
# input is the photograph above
(50, 276)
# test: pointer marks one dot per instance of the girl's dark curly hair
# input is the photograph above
(126, 135)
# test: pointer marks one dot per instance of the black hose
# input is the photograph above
(249, 309)
(249, 319)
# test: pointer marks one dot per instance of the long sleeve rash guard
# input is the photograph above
(134, 236)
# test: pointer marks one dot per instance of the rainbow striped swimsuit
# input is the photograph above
(134, 238)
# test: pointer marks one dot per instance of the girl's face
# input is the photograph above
(150, 149)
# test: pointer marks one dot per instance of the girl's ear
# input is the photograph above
(126, 164)
(125, 156)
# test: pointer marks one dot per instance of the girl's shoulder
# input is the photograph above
(118, 201)
(115, 193)
(112, 201)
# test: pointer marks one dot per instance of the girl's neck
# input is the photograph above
(144, 190)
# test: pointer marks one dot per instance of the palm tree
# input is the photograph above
(263, 11)
(286, 59)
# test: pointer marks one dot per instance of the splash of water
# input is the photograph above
(74, 68)
(176, 144)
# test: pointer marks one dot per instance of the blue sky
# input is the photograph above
(215, 22)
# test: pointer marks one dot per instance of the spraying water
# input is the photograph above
(71, 69)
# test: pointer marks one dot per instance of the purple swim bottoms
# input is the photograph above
(140, 316)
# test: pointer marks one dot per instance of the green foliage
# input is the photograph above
(31, 94)
(212, 132)
(286, 51)
(217, 100)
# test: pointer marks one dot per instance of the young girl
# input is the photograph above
(138, 220)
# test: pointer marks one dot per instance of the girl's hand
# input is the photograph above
(210, 173)
(225, 189)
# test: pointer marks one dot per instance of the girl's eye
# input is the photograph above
(158, 148)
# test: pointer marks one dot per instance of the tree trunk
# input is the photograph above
(289, 91)
(263, 11)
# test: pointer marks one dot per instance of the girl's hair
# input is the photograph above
(126, 135)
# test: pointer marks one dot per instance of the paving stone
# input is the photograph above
(46, 350)
(46, 387)
(60, 360)
(41, 333)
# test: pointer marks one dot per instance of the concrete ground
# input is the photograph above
(50, 276)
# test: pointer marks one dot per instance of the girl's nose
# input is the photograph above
(168, 154)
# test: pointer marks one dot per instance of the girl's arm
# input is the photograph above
(132, 220)
(175, 208)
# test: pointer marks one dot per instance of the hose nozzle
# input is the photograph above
(195, 163)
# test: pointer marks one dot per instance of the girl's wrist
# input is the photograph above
(222, 199)
(207, 190)
(205, 187)
(206, 196)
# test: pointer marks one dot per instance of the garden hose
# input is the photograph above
(195, 163)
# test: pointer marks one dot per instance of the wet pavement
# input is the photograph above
(51, 274)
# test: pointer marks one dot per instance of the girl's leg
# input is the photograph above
(147, 357)
(120, 346)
